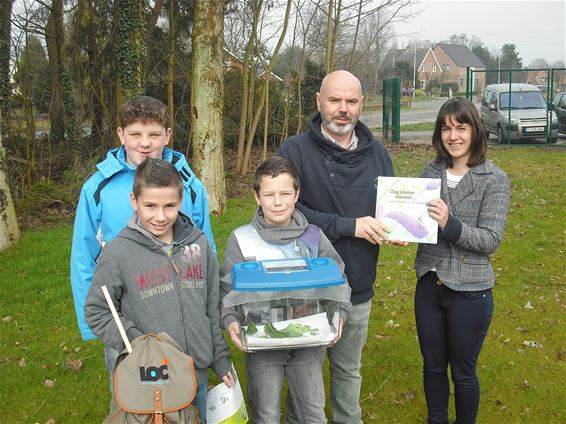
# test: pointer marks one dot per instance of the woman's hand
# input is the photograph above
(234, 331)
(438, 210)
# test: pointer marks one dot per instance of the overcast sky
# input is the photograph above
(537, 28)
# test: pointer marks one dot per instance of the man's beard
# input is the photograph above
(340, 129)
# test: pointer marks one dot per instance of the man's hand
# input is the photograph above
(234, 331)
(229, 379)
(397, 242)
(371, 229)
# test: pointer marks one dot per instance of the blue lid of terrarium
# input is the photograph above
(286, 274)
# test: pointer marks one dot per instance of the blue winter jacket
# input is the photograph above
(104, 209)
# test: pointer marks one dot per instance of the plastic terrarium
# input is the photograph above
(287, 303)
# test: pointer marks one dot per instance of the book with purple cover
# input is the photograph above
(401, 205)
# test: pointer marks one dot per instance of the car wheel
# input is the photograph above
(500, 137)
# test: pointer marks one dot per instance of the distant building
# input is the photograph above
(446, 64)
(401, 63)
(232, 61)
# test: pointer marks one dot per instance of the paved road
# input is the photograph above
(419, 112)
(425, 137)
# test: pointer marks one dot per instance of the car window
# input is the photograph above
(522, 100)
(487, 97)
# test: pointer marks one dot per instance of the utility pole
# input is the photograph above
(414, 68)
(498, 67)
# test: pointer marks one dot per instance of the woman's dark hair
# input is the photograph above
(272, 167)
(156, 173)
(465, 112)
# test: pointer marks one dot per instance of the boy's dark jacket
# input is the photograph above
(338, 186)
(154, 292)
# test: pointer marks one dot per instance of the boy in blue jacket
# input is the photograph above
(104, 207)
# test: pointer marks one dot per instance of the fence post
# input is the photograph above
(550, 111)
(385, 112)
(468, 84)
(396, 110)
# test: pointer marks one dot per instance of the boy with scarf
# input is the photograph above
(279, 231)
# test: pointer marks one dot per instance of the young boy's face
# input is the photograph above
(157, 209)
(142, 140)
(277, 198)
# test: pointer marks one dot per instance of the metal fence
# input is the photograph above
(517, 107)
(391, 110)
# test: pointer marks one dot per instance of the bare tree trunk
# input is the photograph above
(329, 37)
(89, 34)
(66, 125)
(334, 37)
(207, 100)
(288, 87)
(288, 94)
(9, 232)
(353, 50)
(245, 97)
(5, 88)
(154, 16)
(265, 120)
(301, 72)
(56, 121)
(265, 87)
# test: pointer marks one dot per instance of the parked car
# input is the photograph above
(560, 111)
(516, 111)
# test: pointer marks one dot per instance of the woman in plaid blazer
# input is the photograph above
(453, 299)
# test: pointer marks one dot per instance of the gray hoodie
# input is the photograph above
(276, 236)
(154, 291)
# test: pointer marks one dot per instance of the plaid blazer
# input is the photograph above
(479, 203)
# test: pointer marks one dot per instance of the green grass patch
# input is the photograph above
(521, 368)
(421, 126)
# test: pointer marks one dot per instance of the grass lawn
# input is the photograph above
(522, 366)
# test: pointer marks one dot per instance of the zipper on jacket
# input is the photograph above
(172, 261)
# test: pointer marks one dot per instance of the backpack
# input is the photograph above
(154, 384)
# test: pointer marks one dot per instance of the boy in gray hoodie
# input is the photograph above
(279, 231)
(162, 275)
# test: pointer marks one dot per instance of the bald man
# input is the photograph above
(338, 161)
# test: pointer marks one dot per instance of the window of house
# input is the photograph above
(424, 67)
(433, 68)
(461, 82)
(446, 68)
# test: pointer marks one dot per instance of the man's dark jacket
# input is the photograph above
(338, 186)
